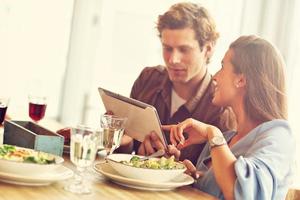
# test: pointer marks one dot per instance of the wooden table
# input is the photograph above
(101, 189)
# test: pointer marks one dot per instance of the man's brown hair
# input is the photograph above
(190, 15)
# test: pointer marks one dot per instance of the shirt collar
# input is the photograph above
(202, 88)
(166, 90)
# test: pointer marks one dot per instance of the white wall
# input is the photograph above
(34, 37)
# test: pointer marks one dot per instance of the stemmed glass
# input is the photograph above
(112, 132)
(84, 142)
(37, 107)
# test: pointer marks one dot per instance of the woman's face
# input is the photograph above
(228, 83)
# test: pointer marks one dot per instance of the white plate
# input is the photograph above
(59, 174)
(106, 170)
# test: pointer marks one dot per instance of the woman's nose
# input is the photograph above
(215, 76)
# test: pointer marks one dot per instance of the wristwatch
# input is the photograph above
(217, 141)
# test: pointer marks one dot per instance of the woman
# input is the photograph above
(253, 162)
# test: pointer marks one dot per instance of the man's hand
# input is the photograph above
(126, 140)
(126, 145)
(151, 144)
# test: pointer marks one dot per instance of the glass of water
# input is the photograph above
(112, 131)
(84, 144)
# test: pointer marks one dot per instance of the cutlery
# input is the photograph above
(159, 153)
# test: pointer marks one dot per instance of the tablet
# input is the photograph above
(141, 117)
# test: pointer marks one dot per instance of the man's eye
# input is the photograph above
(168, 49)
(184, 50)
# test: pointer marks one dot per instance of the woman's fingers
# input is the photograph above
(172, 137)
(182, 127)
(172, 150)
(170, 129)
(173, 134)
(184, 144)
(198, 174)
(195, 131)
(191, 169)
(176, 133)
(189, 165)
(166, 127)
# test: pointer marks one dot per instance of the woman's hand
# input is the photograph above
(196, 131)
(191, 169)
(173, 151)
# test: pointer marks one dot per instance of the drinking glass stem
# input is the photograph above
(79, 175)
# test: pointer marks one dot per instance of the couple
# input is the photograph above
(252, 159)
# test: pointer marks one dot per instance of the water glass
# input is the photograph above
(84, 143)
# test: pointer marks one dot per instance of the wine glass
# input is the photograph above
(112, 132)
(37, 107)
(3, 108)
(84, 142)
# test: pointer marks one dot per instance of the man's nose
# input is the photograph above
(175, 57)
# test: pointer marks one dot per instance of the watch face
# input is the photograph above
(217, 141)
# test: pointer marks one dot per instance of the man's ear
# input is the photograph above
(240, 81)
(209, 48)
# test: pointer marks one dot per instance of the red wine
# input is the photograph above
(37, 111)
(2, 113)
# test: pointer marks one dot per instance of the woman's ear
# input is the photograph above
(240, 81)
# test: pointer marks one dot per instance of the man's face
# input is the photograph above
(182, 55)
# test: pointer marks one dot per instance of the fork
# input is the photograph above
(159, 153)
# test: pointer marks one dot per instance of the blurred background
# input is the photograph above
(67, 49)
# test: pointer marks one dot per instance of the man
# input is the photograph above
(183, 88)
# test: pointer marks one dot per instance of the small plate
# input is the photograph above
(59, 174)
(106, 170)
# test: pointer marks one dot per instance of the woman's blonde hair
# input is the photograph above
(263, 66)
